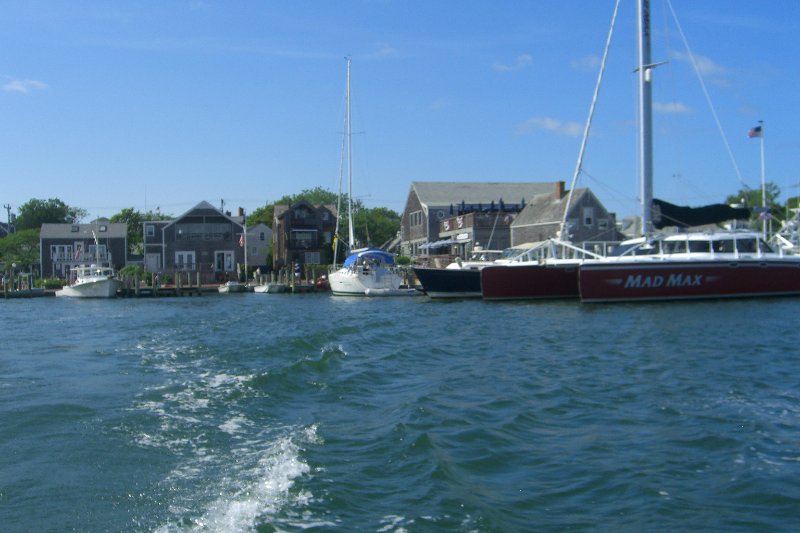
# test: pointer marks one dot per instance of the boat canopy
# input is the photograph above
(374, 254)
(666, 214)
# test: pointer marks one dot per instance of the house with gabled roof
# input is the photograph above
(63, 247)
(302, 234)
(202, 240)
(430, 203)
(587, 221)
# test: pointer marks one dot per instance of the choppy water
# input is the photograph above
(286, 413)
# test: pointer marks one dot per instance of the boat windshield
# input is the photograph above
(636, 248)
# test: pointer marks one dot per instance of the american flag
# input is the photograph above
(241, 240)
(754, 132)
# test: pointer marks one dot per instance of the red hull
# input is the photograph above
(526, 282)
(633, 281)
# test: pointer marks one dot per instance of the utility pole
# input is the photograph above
(7, 207)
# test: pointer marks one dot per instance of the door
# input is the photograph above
(152, 262)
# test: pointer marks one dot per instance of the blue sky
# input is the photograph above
(145, 104)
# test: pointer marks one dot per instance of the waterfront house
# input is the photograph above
(587, 221)
(303, 234)
(65, 246)
(259, 241)
(203, 240)
(431, 203)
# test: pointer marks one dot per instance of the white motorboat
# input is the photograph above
(91, 281)
(232, 287)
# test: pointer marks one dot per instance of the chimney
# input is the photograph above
(241, 211)
(559, 190)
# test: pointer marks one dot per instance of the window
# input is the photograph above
(184, 260)
(74, 229)
(588, 216)
(602, 225)
(262, 236)
(301, 238)
(150, 230)
(103, 228)
(699, 247)
(311, 258)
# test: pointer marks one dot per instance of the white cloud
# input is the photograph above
(23, 86)
(670, 107)
(523, 60)
(570, 129)
(705, 65)
(587, 63)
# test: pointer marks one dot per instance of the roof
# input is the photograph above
(206, 209)
(544, 209)
(437, 193)
(280, 209)
(84, 231)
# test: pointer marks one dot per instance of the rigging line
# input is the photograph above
(491, 235)
(587, 128)
(705, 92)
(339, 196)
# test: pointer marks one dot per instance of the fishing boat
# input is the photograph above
(365, 268)
(91, 281)
(657, 266)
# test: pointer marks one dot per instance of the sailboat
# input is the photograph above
(656, 266)
(366, 271)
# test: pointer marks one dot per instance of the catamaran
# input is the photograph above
(713, 264)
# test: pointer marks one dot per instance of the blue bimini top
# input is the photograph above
(376, 255)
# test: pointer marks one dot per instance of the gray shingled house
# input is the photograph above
(431, 203)
(587, 219)
(203, 239)
(65, 246)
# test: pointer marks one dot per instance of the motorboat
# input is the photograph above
(91, 281)
(459, 279)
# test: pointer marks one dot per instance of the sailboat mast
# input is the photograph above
(350, 232)
(645, 68)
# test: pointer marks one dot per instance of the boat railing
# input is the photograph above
(558, 249)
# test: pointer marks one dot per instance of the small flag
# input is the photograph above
(241, 240)
(754, 132)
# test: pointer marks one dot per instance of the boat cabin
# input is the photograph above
(697, 245)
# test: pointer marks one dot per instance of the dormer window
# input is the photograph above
(103, 228)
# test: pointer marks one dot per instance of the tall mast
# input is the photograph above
(350, 233)
(645, 117)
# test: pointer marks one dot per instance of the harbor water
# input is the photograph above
(259, 412)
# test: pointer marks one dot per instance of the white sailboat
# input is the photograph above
(366, 271)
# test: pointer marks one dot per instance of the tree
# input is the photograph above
(34, 213)
(21, 248)
(752, 198)
(376, 226)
